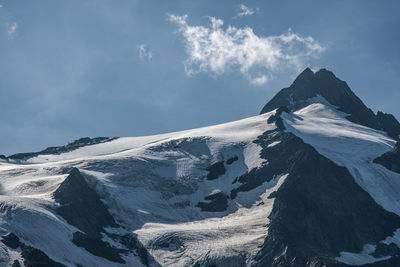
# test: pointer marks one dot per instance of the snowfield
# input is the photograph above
(153, 184)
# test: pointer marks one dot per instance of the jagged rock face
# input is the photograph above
(391, 159)
(389, 124)
(80, 205)
(324, 83)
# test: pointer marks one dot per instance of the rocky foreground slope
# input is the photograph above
(312, 181)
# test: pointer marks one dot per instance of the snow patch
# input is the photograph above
(360, 258)
(273, 143)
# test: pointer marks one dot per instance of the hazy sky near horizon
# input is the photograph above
(70, 69)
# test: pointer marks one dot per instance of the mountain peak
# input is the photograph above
(324, 74)
(309, 87)
(306, 74)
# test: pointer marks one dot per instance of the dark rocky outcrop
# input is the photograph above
(11, 240)
(389, 124)
(277, 119)
(81, 207)
(278, 158)
(98, 247)
(217, 202)
(324, 83)
(391, 159)
(231, 160)
(85, 141)
(215, 170)
(32, 257)
(131, 242)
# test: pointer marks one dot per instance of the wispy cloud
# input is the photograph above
(245, 11)
(12, 28)
(217, 50)
(259, 80)
(144, 54)
(1, 5)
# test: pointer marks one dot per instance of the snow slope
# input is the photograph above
(151, 185)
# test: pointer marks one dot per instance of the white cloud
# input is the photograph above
(143, 53)
(245, 11)
(1, 5)
(217, 50)
(260, 80)
(12, 28)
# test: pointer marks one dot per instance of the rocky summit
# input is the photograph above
(314, 180)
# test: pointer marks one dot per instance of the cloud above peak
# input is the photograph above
(12, 28)
(216, 49)
(144, 54)
(245, 11)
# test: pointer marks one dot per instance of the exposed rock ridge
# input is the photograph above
(85, 141)
(309, 85)
(391, 159)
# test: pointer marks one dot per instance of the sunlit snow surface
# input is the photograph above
(152, 184)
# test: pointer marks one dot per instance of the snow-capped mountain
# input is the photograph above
(314, 180)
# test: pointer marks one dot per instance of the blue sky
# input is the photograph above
(70, 69)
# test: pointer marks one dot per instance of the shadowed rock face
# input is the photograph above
(31, 256)
(217, 202)
(215, 170)
(324, 83)
(98, 247)
(391, 159)
(389, 124)
(232, 160)
(81, 207)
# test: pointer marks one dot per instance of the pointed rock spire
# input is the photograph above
(323, 86)
(305, 76)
